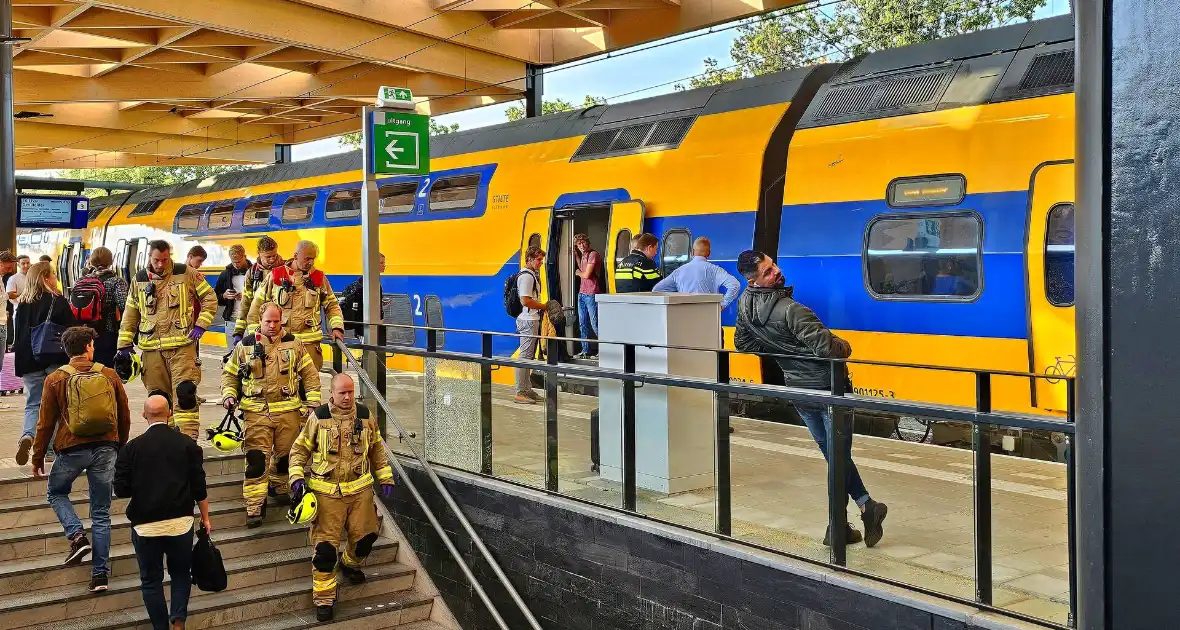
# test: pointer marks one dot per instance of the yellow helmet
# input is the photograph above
(227, 437)
(128, 368)
(304, 511)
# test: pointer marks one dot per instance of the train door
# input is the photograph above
(1052, 342)
(537, 222)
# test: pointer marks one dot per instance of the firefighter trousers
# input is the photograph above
(341, 520)
(167, 370)
(267, 445)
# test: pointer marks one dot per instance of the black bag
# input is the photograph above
(208, 569)
(45, 339)
(512, 303)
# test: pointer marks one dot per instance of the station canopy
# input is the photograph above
(148, 82)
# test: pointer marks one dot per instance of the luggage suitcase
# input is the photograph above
(10, 383)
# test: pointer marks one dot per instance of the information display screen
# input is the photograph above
(47, 211)
(941, 190)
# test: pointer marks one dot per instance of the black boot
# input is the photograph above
(851, 538)
(280, 498)
(323, 613)
(354, 576)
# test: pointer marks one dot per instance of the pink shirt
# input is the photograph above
(589, 286)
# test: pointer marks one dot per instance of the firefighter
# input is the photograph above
(302, 291)
(262, 377)
(637, 272)
(335, 461)
(160, 305)
(268, 259)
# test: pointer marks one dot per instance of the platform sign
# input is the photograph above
(51, 211)
(401, 143)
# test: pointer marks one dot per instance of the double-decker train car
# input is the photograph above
(919, 200)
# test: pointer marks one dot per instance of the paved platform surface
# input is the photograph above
(779, 497)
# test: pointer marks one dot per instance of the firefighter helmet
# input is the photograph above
(304, 511)
(128, 367)
(227, 437)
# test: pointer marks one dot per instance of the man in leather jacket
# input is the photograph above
(771, 321)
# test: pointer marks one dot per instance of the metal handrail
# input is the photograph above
(340, 348)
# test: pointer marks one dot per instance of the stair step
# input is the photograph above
(259, 602)
(47, 571)
(401, 610)
(73, 600)
(35, 510)
(19, 483)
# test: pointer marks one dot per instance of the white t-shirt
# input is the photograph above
(16, 282)
(526, 286)
(239, 284)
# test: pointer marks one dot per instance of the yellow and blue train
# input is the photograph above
(919, 200)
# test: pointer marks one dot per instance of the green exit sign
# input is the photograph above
(401, 143)
(395, 97)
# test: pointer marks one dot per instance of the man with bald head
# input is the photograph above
(305, 297)
(161, 472)
(349, 459)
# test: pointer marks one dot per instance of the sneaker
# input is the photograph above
(323, 613)
(22, 449)
(524, 399)
(98, 583)
(532, 393)
(873, 516)
(851, 538)
(79, 549)
(354, 576)
(581, 355)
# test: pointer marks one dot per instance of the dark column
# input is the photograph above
(7, 135)
(534, 90)
(282, 154)
(1128, 278)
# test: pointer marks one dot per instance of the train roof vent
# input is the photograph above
(911, 90)
(841, 101)
(631, 137)
(1048, 70)
(882, 96)
(145, 208)
(596, 143)
(94, 211)
(669, 132)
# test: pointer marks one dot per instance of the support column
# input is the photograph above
(371, 263)
(534, 90)
(1128, 295)
(282, 154)
(7, 135)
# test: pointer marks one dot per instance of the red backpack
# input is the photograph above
(86, 298)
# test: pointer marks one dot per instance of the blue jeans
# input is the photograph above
(99, 465)
(587, 319)
(818, 419)
(150, 552)
(34, 382)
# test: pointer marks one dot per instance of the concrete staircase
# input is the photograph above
(269, 569)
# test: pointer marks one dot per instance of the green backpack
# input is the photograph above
(90, 402)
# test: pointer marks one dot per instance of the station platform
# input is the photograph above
(779, 492)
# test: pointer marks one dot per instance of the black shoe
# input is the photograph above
(79, 549)
(253, 521)
(354, 576)
(851, 538)
(281, 498)
(873, 516)
(98, 583)
(323, 613)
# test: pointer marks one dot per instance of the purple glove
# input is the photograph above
(237, 339)
(196, 333)
(298, 489)
(387, 490)
(123, 353)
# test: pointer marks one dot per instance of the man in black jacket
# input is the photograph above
(352, 301)
(637, 272)
(161, 472)
(771, 321)
(231, 283)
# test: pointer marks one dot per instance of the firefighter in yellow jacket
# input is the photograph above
(160, 309)
(302, 291)
(268, 259)
(338, 456)
(262, 377)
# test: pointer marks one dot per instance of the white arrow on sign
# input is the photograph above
(392, 150)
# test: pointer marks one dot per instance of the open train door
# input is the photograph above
(626, 222)
(1052, 343)
(537, 224)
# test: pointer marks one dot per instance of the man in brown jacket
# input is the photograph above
(86, 403)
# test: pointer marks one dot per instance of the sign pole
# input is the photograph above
(7, 135)
(370, 256)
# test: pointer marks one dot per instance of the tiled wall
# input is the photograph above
(578, 571)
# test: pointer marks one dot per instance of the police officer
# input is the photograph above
(338, 456)
(302, 291)
(263, 377)
(268, 259)
(160, 305)
(637, 272)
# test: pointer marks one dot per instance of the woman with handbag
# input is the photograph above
(43, 315)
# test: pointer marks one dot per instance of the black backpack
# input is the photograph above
(512, 303)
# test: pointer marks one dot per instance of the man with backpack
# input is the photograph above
(522, 295)
(87, 405)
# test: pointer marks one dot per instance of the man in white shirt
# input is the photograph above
(528, 323)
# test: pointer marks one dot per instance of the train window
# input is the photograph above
(298, 208)
(35, 238)
(189, 218)
(924, 257)
(434, 318)
(221, 217)
(343, 204)
(144, 208)
(535, 240)
(257, 212)
(398, 309)
(622, 245)
(675, 251)
(398, 198)
(454, 193)
(1059, 255)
